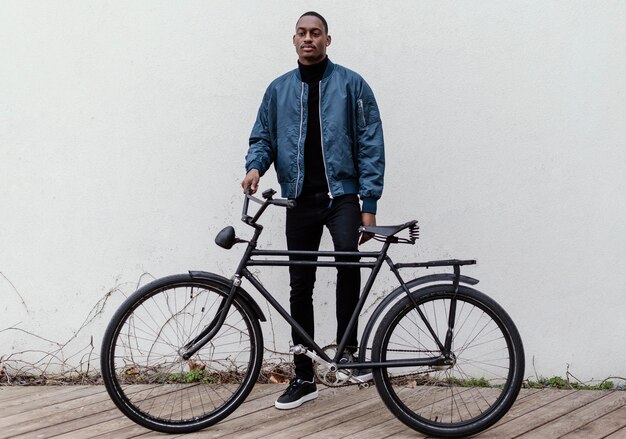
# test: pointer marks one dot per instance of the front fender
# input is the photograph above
(391, 297)
(227, 283)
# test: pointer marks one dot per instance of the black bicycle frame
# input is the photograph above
(379, 257)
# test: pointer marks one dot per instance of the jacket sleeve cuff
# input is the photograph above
(369, 205)
(255, 165)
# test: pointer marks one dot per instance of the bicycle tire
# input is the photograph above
(473, 393)
(142, 367)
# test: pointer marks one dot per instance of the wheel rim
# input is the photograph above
(148, 372)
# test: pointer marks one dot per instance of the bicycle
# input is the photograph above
(184, 351)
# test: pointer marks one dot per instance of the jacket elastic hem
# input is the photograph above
(369, 205)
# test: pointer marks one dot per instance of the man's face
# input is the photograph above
(310, 40)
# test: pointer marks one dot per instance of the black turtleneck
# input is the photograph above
(314, 170)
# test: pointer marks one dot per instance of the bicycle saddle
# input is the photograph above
(386, 231)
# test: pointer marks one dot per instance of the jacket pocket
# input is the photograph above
(361, 121)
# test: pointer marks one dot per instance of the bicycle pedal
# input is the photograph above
(361, 380)
(297, 349)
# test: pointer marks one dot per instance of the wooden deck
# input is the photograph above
(86, 412)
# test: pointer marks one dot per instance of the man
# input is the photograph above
(320, 126)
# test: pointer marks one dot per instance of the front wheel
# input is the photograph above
(478, 386)
(143, 369)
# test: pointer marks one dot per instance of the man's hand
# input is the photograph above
(367, 219)
(251, 180)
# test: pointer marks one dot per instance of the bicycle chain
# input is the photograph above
(367, 384)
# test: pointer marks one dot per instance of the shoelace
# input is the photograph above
(294, 383)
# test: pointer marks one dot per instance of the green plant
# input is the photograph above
(468, 382)
(211, 379)
(557, 382)
(476, 382)
(174, 377)
(194, 375)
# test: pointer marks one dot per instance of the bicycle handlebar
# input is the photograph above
(267, 194)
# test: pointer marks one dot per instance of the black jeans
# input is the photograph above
(305, 224)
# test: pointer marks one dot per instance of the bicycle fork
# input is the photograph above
(214, 326)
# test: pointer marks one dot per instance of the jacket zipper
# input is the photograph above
(330, 194)
(295, 192)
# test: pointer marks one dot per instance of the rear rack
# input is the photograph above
(441, 263)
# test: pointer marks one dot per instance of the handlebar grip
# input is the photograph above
(289, 204)
(246, 201)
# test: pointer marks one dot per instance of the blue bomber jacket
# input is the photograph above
(350, 127)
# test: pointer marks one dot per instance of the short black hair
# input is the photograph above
(315, 14)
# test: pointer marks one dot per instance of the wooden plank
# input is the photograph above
(64, 421)
(93, 413)
(524, 393)
(530, 400)
(352, 424)
(619, 434)
(266, 414)
(368, 406)
(256, 413)
(329, 401)
(396, 429)
(251, 413)
(580, 417)
(534, 402)
(347, 418)
(82, 427)
(85, 397)
(539, 416)
(609, 423)
(50, 417)
(338, 412)
(262, 396)
(44, 399)
(9, 392)
(104, 425)
(387, 426)
(463, 404)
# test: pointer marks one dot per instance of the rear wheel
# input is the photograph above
(485, 374)
(143, 369)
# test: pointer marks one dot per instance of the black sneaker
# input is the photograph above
(354, 375)
(298, 392)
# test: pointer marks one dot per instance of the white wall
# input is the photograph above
(123, 127)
